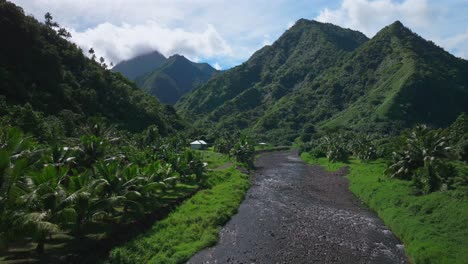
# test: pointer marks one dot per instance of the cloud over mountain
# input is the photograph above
(228, 32)
(125, 41)
(370, 16)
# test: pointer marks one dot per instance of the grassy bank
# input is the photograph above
(433, 227)
(194, 225)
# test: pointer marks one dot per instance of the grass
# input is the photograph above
(329, 166)
(433, 227)
(194, 225)
(214, 159)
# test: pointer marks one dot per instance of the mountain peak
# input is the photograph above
(397, 23)
(177, 76)
(307, 23)
(140, 65)
(397, 29)
(178, 57)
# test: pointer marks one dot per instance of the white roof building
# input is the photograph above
(198, 144)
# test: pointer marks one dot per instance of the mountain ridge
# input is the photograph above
(391, 81)
(279, 69)
(174, 78)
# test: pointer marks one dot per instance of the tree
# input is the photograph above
(458, 137)
(49, 21)
(425, 158)
(64, 33)
(93, 55)
(244, 151)
(336, 147)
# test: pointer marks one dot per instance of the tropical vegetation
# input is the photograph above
(86, 155)
(101, 178)
(193, 226)
(417, 182)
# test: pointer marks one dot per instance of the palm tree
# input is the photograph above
(38, 224)
(45, 203)
(422, 144)
(17, 154)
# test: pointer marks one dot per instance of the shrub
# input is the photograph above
(362, 147)
(458, 136)
(244, 151)
(433, 176)
(335, 147)
(422, 144)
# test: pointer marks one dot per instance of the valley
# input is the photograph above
(326, 145)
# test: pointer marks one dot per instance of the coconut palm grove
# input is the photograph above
(96, 164)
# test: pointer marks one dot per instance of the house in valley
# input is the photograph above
(199, 144)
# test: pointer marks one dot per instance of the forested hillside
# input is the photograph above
(320, 75)
(43, 75)
(85, 155)
(176, 77)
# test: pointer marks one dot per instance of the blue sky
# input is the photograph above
(225, 33)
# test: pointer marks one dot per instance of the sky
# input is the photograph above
(226, 33)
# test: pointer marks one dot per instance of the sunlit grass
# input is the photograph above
(214, 159)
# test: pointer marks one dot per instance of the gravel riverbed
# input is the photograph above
(297, 213)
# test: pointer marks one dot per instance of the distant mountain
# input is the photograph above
(176, 77)
(140, 65)
(47, 73)
(321, 75)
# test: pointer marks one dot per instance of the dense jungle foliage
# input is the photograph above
(81, 148)
(102, 178)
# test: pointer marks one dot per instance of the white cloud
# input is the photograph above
(241, 23)
(116, 43)
(217, 66)
(186, 26)
(230, 31)
(370, 16)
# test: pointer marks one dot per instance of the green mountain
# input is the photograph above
(42, 69)
(323, 76)
(176, 77)
(140, 65)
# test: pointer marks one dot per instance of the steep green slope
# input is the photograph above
(39, 67)
(322, 75)
(394, 80)
(140, 65)
(176, 77)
